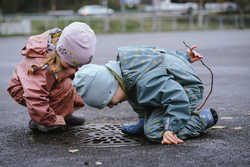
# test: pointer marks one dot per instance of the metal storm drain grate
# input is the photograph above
(99, 135)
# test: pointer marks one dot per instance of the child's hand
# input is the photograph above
(59, 120)
(194, 56)
(170, 138)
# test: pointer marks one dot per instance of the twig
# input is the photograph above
(211, 77)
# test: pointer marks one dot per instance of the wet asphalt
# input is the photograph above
(226, 53)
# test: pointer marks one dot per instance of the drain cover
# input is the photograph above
(98, 135)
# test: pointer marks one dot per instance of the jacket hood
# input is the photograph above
(115, 67)
(138, 60)
(38, 45)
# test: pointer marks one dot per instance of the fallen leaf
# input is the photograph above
(217, 127)
(73, 150)
(237, 128)
(226, 118)
(98, 163)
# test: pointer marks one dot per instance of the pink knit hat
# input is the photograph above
(76, 45)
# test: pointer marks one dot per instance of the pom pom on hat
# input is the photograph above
(95, 84)
(76, 45)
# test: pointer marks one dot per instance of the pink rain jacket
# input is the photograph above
(40, 91)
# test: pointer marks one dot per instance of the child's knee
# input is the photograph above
(62, 91)
(65, 86)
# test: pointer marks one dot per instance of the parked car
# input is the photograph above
(219, 7)
(168, 5)
(94, 10)
(131, 3)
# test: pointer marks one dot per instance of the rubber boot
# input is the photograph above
(74, 119)
(134, 128)
(210, 115)
(45, 129)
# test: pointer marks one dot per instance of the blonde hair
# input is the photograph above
(54, 58)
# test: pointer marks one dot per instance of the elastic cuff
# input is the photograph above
(188, 57)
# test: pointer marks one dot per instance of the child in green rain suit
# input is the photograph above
(160, 85)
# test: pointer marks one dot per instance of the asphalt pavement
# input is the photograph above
(99, 142)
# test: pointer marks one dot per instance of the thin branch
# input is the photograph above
(211, 77)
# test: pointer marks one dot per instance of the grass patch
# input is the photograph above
(140, 25)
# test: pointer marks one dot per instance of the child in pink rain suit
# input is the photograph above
(42, 81)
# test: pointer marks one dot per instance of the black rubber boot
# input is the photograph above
(74, 119)
(45, 129)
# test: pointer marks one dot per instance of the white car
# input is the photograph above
(168, 5)
(94, 10)
(218, 7)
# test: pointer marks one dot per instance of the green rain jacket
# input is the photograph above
(158, 79)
